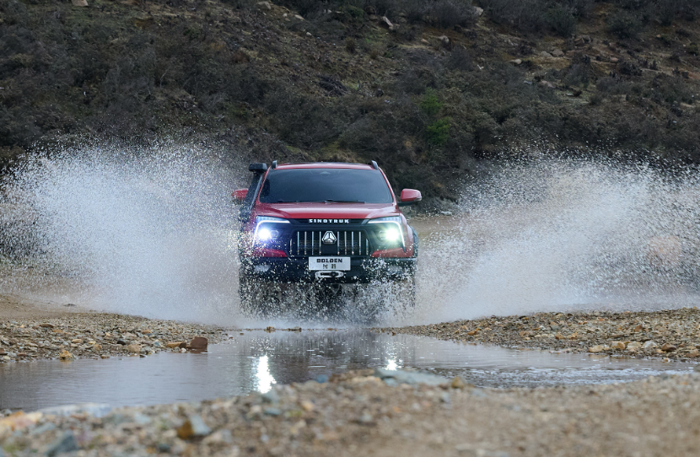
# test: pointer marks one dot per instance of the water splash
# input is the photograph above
(565, 234)
(145, 231)
(151, 231)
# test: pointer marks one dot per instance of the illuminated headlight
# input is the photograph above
(390, 235)
(263, 228)
(391, 231)
(265, 234)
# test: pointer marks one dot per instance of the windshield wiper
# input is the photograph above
(342, 201)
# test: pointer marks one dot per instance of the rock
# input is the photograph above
(634, 346)
(445, 41)
(264, 6)
(614, 60)
(62, 444)
(272, 411)
(385, 22)
(694, 353)
(424, 41)
(219, 438)
(65, 355)
(194, 427)
(410, 377)
(516, 61)
(478, 11)
(598, 348)
(619, 345)
(546, 84)
(668, 347)
(558, 53)
(47, 325)
(296, 16)
(81, 3)
(322, 379)
(92, 409)
(271, 396)
(198, 343)
(134, 348)
(649, 345)
(307, 405)
(546, 55)
(458, 383)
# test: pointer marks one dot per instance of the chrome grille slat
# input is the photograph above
(348, 242)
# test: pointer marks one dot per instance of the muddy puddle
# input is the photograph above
(256, 360)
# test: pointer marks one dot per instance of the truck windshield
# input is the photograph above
(332, 185)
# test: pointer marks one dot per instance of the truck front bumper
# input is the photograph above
(362, 270)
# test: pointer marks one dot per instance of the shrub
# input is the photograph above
(439, 131)
(350, 45)
(623, 24)
(431, 104)
(449, 13)
(561, 19)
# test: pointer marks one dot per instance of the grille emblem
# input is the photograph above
(329, 238)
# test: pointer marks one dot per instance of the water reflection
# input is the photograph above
(265, 379)
(258, 360)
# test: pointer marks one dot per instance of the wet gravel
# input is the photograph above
(672, 334)
(359, 414)
(95, 335)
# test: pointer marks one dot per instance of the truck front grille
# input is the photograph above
(306, 243)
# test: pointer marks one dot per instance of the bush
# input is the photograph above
(450, 13)
(350, 45)
(561, 19)
(439, 131)
(624, 25)
(431, 104)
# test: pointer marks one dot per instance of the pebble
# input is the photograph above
(63, 444)
(595, 332)
(102, 335)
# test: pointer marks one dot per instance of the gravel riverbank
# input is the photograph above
(94, 335)
(665, 334)
(359, 414)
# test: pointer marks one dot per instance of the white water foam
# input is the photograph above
(152, 232)
(566, 235)
(147, 231)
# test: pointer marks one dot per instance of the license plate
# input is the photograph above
(329, 263)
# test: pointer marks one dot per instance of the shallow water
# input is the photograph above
(256, 360)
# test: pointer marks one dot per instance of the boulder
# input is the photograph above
(81, 3)
(558, 53)
(385, 22)
(198, 343)
(264, 5)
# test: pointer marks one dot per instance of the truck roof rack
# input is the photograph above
(374, 165)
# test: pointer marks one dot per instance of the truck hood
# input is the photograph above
(327, 210)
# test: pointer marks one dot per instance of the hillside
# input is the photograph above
(428, 88)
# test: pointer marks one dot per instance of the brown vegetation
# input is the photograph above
(422, 86)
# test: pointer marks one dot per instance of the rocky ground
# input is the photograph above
(361, 414)
(667, 334)
(38, 333)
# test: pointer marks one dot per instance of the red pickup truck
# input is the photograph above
(322, 223)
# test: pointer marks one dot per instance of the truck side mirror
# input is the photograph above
(239, 195)
(409, 197)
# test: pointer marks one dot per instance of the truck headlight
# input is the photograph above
(391, 231)
(264, 230)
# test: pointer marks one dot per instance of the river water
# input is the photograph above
(256, 360)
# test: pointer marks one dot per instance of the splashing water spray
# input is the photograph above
(147, 232)
(153, 232)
